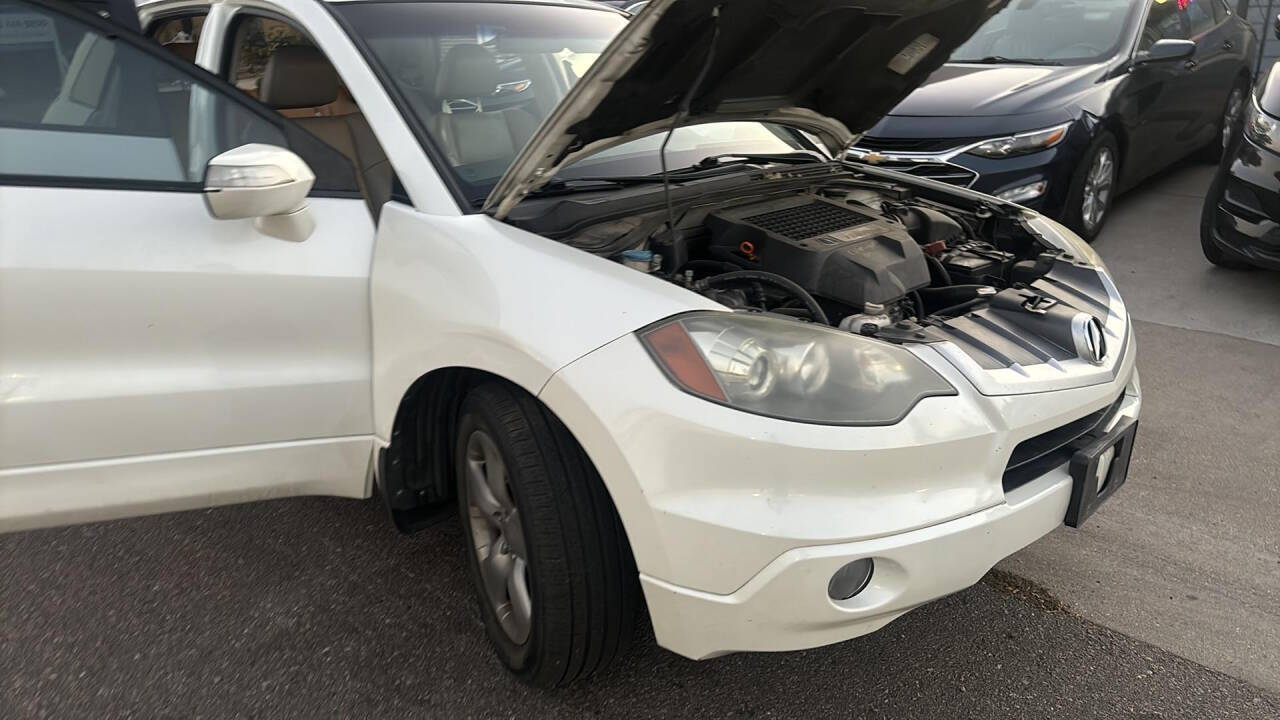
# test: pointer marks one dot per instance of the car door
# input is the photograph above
(1216, 66)
(1156, 105)
(152, 357)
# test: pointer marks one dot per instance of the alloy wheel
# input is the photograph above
(1231, 118)
(497, 537)
(1097, 188)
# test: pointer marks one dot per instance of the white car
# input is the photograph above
(289, 247)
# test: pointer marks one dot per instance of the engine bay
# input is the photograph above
(868, 256)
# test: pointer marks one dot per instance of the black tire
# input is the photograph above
(1213, 252)
(1074, 216)
(1227, 133)
(581, 575)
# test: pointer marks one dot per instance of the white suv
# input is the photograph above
(609, 284)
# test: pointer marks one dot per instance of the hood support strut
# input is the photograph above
(685, 103)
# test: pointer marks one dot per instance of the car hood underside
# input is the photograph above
(832, 68)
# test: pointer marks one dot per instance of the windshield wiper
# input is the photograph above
(565, 186)
(707, 167)
(1002, 60)
(800, 157)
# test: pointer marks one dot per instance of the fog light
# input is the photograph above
(851, 579)
(1023, 193)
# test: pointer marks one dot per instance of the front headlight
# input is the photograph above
(1261, 128)
(1022, 144)
(1064, 239)
(790, 370)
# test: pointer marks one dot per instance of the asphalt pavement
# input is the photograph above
(1187, 555)
(1164, 606)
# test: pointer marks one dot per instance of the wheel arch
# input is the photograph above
(1114, 125)
(415, 471)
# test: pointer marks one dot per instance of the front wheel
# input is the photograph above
(1093, 187)
(558, 587)
(1229, 125)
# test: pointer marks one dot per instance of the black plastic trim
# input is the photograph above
(1036, 456)
(100, 183)
(1085, 498)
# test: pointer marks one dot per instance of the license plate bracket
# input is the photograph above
(1087, 465)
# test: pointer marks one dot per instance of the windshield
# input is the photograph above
(481, 78)
(1068, 33)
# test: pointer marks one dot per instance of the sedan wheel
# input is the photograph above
(1098, 184)
(1231, 117)
(497, 537)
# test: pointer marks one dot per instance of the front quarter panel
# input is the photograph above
(469, 291)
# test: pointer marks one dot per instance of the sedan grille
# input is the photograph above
(940, 171)
(915, 145)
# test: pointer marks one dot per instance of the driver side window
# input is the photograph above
(1165, 22)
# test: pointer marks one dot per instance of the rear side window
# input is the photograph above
(179, 34)
(83, 106)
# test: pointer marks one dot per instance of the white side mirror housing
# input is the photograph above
(264, 182)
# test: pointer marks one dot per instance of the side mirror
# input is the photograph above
(1165, 51)
(1277, 27)
(264, 182)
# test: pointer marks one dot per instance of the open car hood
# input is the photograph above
(831, 68)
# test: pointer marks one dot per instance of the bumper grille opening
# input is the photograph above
(1042, 453)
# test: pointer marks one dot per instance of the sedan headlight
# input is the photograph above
(1022, 144)
(790, 370)
(1261, 128)
(1064, 239)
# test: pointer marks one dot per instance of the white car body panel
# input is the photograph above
(80, 492)
(473, 292)
(130, 341)
(137, 326)
(689, 474)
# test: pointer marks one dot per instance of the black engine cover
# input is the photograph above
(833, 250)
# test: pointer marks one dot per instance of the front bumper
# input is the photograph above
(786, 606)
(1242, 213)
(737, 522)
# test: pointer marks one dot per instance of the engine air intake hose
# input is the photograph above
(768, 278)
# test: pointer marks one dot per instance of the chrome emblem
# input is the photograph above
(1091, 339)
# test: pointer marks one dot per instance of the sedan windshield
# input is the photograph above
(481, 77)
(1050, 32)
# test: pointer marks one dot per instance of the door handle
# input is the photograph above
(1191, 64)
(1228, 45)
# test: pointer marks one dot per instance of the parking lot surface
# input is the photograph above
(1166, 605)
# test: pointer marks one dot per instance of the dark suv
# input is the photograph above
(1240, 225)
(1060, 105)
